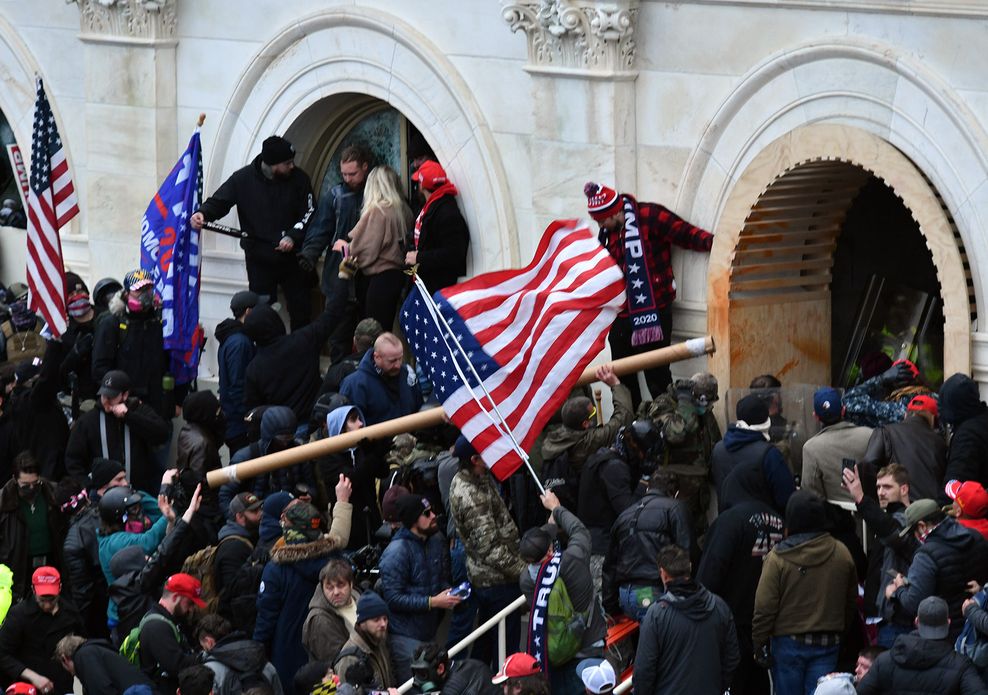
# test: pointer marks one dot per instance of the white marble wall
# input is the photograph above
(713, 82)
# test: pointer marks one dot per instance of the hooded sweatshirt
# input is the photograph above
(961, 406)
(363, 469)
(686, 626)
(285, 370)
(808, 584)
(238, 662)
(235, 353)
(917, 666)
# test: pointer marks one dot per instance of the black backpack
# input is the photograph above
(559, 477)
(238, 599)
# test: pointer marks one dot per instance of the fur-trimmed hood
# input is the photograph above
(284, 554)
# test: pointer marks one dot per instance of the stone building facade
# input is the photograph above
(773, 123)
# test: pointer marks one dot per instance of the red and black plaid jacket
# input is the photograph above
(659, 227)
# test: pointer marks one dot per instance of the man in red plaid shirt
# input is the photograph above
(638, 237)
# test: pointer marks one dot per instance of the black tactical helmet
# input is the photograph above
(103, 289)
(647, 438)
(114, 504)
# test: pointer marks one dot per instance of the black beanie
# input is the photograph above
(410, 508)
(276, 150)
(103, 471)
(806, 512)
(200, 407)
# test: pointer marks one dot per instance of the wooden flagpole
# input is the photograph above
(434, 416)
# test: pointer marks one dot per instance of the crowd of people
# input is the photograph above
(358, 571)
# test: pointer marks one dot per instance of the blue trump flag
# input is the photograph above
(170, 252)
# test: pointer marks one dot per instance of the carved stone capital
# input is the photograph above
(576, 35)
(130, 21)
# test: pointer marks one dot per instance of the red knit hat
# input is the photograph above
(430, 175)
(602, 202)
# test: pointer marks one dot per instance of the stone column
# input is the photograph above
(582, 61)
(130, 117)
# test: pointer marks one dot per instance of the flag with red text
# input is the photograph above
(51, 203)
(504, 349)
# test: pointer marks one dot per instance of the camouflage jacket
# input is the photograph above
(689, 436)
(582, 443)
(486, 529)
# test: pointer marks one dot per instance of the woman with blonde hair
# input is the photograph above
(377, 246)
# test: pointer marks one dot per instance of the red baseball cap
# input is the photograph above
(970, 496)
(187, 586)
(430, 175)
(923, 403)
(21, 689)
(517, 665)
(47, 581)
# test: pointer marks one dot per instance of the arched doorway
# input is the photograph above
(798, 244)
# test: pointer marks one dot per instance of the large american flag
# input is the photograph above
(51, 203)
(528, 335)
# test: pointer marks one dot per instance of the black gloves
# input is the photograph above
(899, 374)
(762, 656)
(305, 264)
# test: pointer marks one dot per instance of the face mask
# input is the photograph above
(140, 302)
(139, 525)
(28, 491)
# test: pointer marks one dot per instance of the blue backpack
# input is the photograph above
(970, 642)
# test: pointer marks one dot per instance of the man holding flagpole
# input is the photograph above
(638, 236)
(51, 203)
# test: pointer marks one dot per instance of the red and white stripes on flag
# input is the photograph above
(51, 203)
(512, 344)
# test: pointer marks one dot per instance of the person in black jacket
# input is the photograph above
(31, 630)
(962, 409)
(122, 428)
(631, 579)
(893, 552)
(76, 368)
(234, 354)
(364, 336)
(199, 443)
(688, 642)
(433, 671)
(164, 648)
(441, 237)
(923, 662)
(948, 557)
(274, 203)
(130, 339)
(98, 666)
(243, 519)
(31, 527)
(734, 548)
(37, 416)
(285, 370)
(745, 466)
(615, 471)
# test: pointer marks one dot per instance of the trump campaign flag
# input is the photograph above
(170, 252)
(504, 349)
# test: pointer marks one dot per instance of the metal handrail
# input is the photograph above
(498, 620)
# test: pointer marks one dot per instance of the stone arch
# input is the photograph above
(362, 51)
(871, 87)
(801, 160)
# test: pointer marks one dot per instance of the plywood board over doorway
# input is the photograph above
(790, 340)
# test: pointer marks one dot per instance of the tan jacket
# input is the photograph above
(376, 241)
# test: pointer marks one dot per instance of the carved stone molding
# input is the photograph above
(580, 36)
(128, 21)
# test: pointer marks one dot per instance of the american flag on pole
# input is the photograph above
(504, 349)
(51, 203)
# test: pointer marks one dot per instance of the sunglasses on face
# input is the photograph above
(428, 512)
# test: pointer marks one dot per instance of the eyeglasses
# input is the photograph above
(429, 512)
